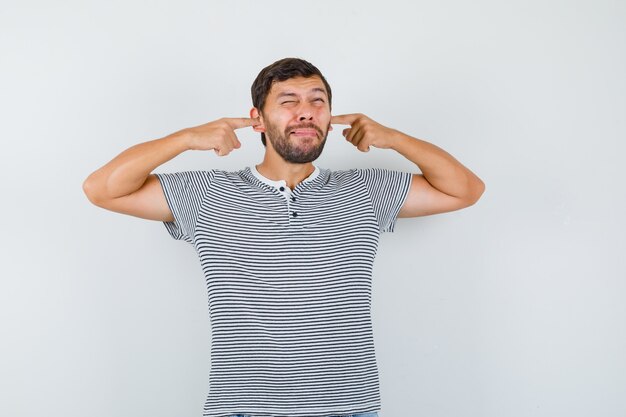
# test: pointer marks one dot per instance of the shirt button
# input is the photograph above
(294, 214)
(282, 188)
(293, 199)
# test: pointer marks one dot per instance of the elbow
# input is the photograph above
(91, 190)
(477, 189)
(474, 190)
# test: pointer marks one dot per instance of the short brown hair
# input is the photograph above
(283, 70)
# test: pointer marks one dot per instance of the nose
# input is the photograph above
(305, 112)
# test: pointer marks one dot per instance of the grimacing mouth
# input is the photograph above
(306, 127)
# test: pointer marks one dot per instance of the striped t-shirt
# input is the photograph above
(289, 278)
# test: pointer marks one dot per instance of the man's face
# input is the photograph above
(296, 117)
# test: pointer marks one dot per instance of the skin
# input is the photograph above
(126, 185)
(289, 156)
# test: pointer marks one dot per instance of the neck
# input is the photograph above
(275, 168)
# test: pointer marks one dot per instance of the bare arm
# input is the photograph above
(126, 185)
(444, 185)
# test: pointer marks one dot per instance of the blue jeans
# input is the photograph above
(351, 415)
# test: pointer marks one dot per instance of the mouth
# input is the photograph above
(304, 132)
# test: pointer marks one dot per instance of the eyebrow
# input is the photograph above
(289, 93)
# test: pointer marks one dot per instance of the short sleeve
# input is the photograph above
(185, 192)
(387, 189)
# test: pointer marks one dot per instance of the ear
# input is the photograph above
(254, 114)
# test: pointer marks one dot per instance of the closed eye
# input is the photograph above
(291, 101)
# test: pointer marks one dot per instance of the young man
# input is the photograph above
(287, 248)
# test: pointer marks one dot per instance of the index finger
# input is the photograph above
(241, 122)
(344, 119)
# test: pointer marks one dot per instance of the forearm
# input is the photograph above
(128, 171)
(439, 168)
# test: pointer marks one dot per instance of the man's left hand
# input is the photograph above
(365, 132)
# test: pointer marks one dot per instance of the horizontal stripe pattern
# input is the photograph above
(289, 286)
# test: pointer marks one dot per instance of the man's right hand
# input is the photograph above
(219, 134)
(126, 185)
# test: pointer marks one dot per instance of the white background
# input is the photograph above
(512, 307)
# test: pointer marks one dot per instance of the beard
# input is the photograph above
(297, 150)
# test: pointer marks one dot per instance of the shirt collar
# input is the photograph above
(279, 183)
